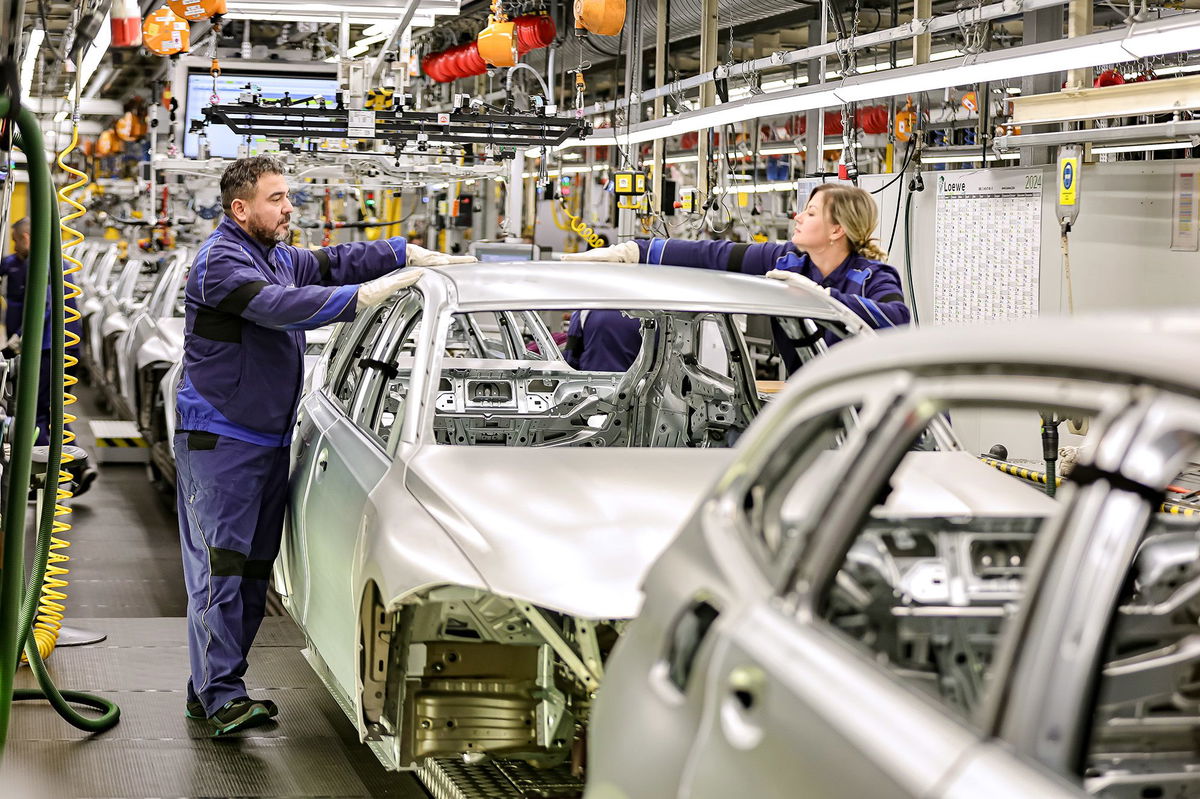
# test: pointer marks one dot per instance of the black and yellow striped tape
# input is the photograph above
(1040, 477)
(121, 442)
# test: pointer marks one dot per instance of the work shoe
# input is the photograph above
(195, 709)
(85, 480)
(239, 714)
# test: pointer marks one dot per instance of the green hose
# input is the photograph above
(12, 565)
(16, 617)
(109, 711)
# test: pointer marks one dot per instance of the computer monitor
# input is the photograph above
(504, 251)
(223, 142)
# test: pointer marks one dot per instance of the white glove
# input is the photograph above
(14, 343)
(376, 291)
(419, 256)
(797, 280)
(624, 253)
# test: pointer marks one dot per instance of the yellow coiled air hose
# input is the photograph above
(579, 227)
(50, 604)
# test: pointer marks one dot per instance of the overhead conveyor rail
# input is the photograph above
(502, 132)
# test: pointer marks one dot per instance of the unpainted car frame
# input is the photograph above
(460, 600)
(741, 676)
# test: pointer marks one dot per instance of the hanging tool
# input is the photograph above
(1067, 209)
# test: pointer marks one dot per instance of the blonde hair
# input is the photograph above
(855, 210)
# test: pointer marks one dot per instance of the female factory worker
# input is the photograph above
(832, 247)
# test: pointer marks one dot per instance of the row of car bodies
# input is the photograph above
(484, 552)
(484, 546)
(132, 312)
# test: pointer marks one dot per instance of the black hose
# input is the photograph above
(1050, 423)
(908, 272)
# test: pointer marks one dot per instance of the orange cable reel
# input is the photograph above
(601, 17)
(196, 10)
(906, 122)
(166, 33)
(497, 42)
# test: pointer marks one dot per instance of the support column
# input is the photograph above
(661, 26)
(1079, 23)
(814, 142)
(627, 219)
(708, 62)
(1040, 26)
(922, 47)
(514, 197)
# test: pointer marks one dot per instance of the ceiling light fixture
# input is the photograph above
(1139, 40)
(36, 36)
(1141, 148)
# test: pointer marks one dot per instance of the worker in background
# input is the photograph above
(832, 248)
(249, 299)
(602, 341)
(15, 269)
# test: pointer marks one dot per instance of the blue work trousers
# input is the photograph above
(232, 496)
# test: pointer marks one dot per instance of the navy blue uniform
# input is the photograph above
(247, 307)
(15, 268)
(869, 288)
(602, 341)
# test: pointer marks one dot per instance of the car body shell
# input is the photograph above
(829, 722)
(569, 530)
(153, 340)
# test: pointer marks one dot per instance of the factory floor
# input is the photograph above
(126, 581)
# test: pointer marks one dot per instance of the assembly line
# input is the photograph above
(612, 400)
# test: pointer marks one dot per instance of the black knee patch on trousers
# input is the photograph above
(231, 563)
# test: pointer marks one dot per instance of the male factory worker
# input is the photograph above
(832, 247)
(15, 269)
(249, 299)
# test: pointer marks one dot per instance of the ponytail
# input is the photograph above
(870, 249)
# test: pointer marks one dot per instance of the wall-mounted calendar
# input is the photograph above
(988, 245)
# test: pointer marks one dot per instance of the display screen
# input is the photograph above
(222, 142)
(502, 251)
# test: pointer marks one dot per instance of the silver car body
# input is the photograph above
(532, 554)
(733, 680)
(154, 340)
(127, 300)
(95, 283)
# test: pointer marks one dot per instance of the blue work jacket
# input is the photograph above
(869, 288)
(602, 341)
(247, 307)
(16, 269)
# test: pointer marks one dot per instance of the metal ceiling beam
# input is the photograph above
(1162, 131)
(909, 30)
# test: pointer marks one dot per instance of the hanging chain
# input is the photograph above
(215, 68)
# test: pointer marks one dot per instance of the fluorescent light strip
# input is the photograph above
(381, 12)
(1141, 40)
(95, 52)
(418, 21)
(757, 188)
(570, 170)
(739, 93)
(36, 36)
(966, 159)
(1141, 148)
